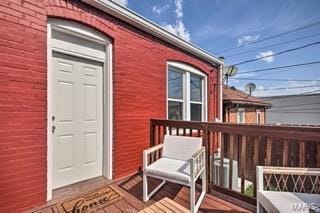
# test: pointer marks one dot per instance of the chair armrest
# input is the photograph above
(153, 149)
(147, 152)
(197, 163)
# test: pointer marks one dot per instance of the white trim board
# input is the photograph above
(81, 32)
(134, 19)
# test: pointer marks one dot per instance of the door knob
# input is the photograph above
(53, 128)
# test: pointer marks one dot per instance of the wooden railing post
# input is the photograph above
(205, 143)
(151, 133)
(318, 156)
(302, 152)
(231, 144)
(221, 169)
(268, 151)
(152, 140)
(243, 161)
(255, 163)
(285, 153)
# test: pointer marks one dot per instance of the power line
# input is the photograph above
(271, 79)
(296, 112)
(294, 105)
(273, 45)
(281, 67)
(270, 37)
(278, 53)
(280, 71)
(270, 73)
(289, 110)
(285, 88)
(268, 98)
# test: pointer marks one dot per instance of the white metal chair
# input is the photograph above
(182, 162)
(293, 189)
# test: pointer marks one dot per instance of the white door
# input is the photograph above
(77, 119)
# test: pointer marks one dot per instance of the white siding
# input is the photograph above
(302, 109)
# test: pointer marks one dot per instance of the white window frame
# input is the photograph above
(241, 110)
(187, 71)
(258, 114)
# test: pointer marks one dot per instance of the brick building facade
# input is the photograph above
(240, 107)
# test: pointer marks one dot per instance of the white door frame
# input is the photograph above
(92, 35)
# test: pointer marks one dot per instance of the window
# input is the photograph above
(186, 93)
(175, 95)
(241, 116)
(258, 117)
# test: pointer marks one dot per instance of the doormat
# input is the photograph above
(90, 202)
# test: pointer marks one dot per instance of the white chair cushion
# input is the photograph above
(285, 201)
(175, 170)
(180, 147)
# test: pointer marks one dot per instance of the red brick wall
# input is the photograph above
(250, 115)
(139, 93)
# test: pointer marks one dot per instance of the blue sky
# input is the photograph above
(216, 25)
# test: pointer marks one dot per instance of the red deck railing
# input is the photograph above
(247, 146)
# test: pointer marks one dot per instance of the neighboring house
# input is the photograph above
(240, 107)
(79, 83)
(294, 109)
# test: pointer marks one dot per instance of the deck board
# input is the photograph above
(112, 208)
(125, 206)
(180, 194)
(165, 205)
(131, 189)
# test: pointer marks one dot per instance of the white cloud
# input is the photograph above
(178, 4)
(159, 10)
(245, 75)
(247, 39)
(266, 56)
(122, 2)
(179, 29)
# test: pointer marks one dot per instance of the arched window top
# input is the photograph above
(78, 30)
(69, 37)
(186, 67)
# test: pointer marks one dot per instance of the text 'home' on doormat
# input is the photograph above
(89, 202)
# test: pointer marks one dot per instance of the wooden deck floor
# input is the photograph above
(131, 188)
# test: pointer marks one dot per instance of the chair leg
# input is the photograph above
(146, 195)
(145, 188)
(192, 198)
(259, 208)
(195, 205)
(204, 182)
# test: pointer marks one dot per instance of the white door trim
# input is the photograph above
(87, 33)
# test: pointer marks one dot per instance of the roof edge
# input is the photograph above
(292, 95)
(248, 103)
(133, 18)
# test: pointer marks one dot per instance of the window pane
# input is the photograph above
(196, 112)
(258, 118)
(240, 115)
(196, 88)
(175, 85)
(175, 110)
